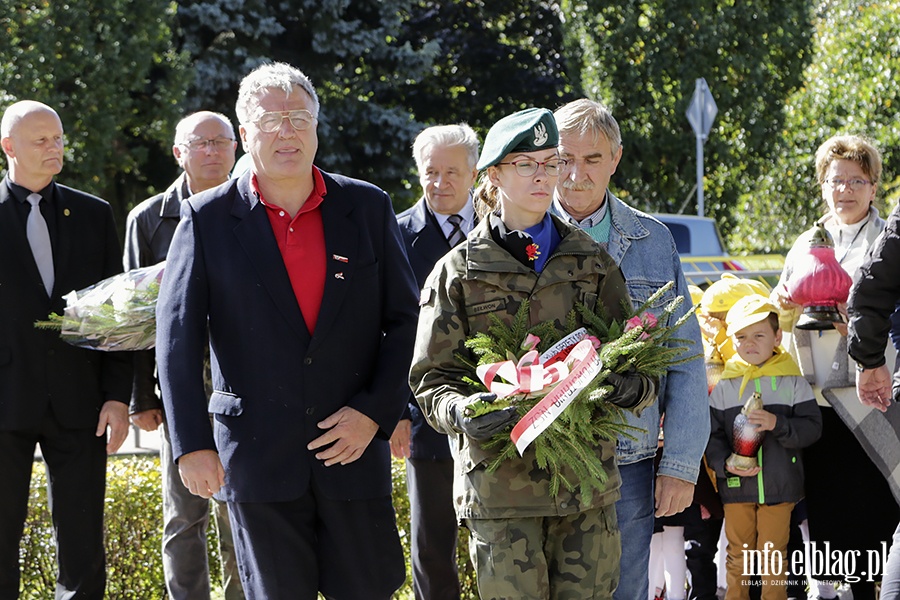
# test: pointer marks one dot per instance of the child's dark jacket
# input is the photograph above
(798, 424)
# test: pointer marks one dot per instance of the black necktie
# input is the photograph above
(39, 240)
(456, 234)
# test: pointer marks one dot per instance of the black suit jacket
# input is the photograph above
(38, 369)
(272, 381)
(425, 244)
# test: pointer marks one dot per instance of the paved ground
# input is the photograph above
(140, 442)
(137, 442)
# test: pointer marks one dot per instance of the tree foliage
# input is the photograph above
(642, 57)
(494, 58)
(122, 73)
(110, 71)
(384, 70)
(349, 50)
(850, 88)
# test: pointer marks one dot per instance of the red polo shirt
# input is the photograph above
(301, 241)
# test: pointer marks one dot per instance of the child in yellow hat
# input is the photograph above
(758, 501)
(714, 305)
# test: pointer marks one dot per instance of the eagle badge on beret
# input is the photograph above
(540, 134)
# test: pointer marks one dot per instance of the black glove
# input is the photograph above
(484, 427)
(630, 388)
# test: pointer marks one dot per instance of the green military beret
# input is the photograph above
(525, 131)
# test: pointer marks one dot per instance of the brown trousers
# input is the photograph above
(761, 530)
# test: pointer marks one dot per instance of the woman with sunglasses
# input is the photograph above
(524, 541)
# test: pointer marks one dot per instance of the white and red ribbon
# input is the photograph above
(529, 376)
(583, 365)
(560, 350)
(569, 365)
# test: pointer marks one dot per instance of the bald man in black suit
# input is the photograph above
(53, 394)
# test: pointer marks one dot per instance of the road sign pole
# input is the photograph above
(700, 134)
(701, 113)
(700, 209)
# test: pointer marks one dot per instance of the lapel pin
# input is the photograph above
(339, 258)
(339, 275)
(66, 212)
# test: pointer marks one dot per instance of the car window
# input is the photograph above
(682, 236)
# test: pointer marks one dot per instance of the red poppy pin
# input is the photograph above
(532, 251)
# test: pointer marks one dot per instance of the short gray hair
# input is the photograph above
(272, 75)
(446, 136)
(587, 117)
(187, 124)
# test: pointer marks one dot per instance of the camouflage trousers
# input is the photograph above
(575, 557)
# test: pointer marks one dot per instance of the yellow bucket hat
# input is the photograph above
(722, 294)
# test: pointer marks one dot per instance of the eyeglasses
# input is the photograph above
(527, 168)
(220, 144)
(852, 184)
(270, 122)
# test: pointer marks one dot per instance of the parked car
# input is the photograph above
(704, 256)
(694, 236)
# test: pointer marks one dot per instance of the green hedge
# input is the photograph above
(134, 534)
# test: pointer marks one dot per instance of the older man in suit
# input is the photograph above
(301, 279)
(53, 239)
(445, 158)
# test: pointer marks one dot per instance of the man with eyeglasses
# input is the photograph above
(591, 144)
(445, 158)
(204, 148)
(302, 282)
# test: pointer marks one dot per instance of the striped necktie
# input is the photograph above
(456, 234)
(39, 240)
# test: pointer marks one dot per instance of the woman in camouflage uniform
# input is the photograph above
(524, 542)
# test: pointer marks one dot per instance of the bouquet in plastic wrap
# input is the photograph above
(118, 313)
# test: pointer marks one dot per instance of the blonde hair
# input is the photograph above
(486, 197)
(849, 147)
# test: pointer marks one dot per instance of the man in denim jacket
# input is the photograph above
(644, 250)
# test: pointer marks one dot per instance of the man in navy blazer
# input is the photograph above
(53, 394)
(445, 158)
(300, 279)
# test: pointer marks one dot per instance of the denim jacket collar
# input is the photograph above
(625, 227)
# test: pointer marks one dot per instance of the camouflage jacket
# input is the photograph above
(474, 280)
